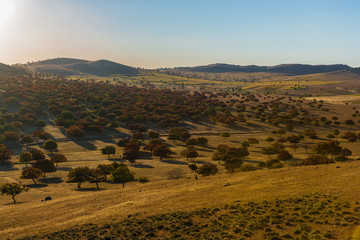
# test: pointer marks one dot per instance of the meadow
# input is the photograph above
(256, 201)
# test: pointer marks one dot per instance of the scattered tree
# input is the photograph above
(26, 157)
(78, 175)
(31, 173)
(13, 189)
(58, 158)
(122, 174)
(46, 166)
(193, 167)
(50, 145)
(175, 173)
(208, 169)
(107, 150)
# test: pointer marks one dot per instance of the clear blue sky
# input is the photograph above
(166, 33)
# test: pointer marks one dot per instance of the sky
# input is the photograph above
(168, 33)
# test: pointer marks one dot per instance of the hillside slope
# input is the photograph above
(80, 207)
(6, 69)
(293, 69)
(70, 66)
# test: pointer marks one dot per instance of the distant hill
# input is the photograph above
(6, 69)
(355, 70)
(293, 69)
(71, 66)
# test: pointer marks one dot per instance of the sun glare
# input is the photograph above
(6, 9)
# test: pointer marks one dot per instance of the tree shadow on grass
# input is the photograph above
(201, 162)
(204, 150)
(85, 144)
(142, 166)
(8, 204)
(51, 180)
(64, 168)
(89, 189)
(145, 155)
(36, 185)
(7, 166)
(174, 162)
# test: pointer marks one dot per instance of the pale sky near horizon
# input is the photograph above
(168, 33)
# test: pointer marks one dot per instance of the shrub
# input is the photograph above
(316, 159)
(274, 163)
(175, 173)
(261, 164)
(247, 168)
(341, 158)
(143, 180)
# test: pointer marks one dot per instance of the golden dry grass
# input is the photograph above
(72, 207)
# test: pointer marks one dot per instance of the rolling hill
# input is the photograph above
(292, 69)
(70, 66)
(6, 69)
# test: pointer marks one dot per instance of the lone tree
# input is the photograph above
(161, 151)
(96, 176)
(190, 152)
(31, 173)
(193, 167)
(131, 152)
(13, 189)
(225, 135)
(40, 124)
(78, 175)
(50, 145)
(153, 134)
(175, 173)
(108, 150)
(5, 154)
(45, 166)
(37, 154)
(253, 141)
(76, 132)
(208, 169)
(268, 151)
(175, 133)
(58, 158)
(122, 174)
(284, 156)
(26, 157)
(232, 165)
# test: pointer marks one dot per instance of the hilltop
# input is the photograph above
(292, 69)
(71, 66)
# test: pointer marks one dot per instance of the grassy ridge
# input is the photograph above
(312, 216)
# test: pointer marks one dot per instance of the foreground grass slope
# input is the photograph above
(313, 216)
(160, 197)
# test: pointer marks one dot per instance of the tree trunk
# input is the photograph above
(123, 184)
(13, 197)
(79, 185)
(34, 180)
(97, 185)
(44, 174)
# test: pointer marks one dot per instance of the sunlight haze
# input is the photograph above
(162, 33)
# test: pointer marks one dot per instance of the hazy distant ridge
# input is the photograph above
(295, 69)
(70, 66)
